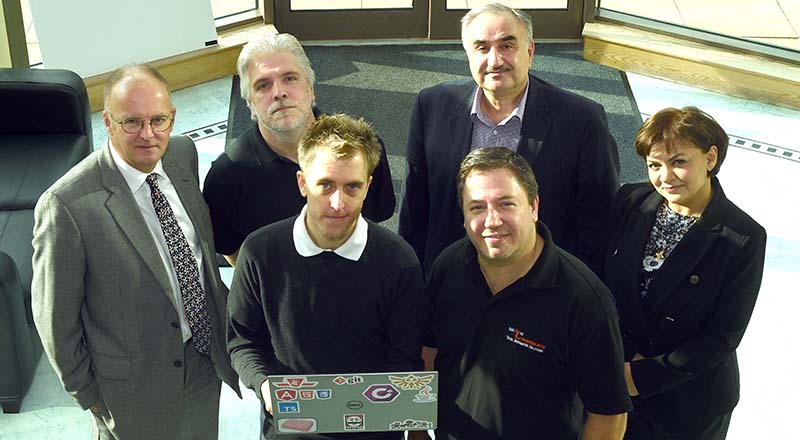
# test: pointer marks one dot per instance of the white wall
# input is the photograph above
(95, 36)
(5, 51)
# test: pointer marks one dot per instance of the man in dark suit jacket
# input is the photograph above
(563, 136)
(126, 294)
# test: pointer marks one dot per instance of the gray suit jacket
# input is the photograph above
(102, 300)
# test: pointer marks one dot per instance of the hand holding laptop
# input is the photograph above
(266, 396)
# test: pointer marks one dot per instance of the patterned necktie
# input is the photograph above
(194, 302)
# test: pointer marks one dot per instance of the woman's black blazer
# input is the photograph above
(696, 309)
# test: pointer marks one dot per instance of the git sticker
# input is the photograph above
(351, 380)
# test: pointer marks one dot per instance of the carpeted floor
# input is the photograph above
(380, 83)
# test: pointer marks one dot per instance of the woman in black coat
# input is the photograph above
(685, 265)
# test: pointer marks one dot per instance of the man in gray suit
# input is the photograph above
(126, 294)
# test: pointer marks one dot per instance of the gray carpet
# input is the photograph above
(380, 83)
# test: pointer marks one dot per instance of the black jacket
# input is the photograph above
(565, 139)
(696, 309)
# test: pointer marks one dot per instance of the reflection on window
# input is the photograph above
(227, 8)
(774, 22)
(323, 5)
(517, 4)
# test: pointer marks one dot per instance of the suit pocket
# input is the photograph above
(111, 367)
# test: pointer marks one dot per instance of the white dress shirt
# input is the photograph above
(141, 192)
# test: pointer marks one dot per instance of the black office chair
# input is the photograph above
(45, 129)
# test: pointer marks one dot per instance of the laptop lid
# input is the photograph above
(358, 402)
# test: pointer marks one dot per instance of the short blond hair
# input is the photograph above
(343, 136)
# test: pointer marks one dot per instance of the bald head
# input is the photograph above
(138, 115)
(131, 72)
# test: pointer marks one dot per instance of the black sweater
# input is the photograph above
(290, 314)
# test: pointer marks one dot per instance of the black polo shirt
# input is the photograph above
(250, 186)
(511, 363)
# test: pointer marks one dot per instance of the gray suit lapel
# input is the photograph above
(186, 185)
(123, 208)
(191, 199)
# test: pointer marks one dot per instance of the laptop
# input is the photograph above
(358, 402)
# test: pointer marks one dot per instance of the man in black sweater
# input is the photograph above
(326, 291)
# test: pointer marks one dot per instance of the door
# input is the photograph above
(352, 19)
(434, 19)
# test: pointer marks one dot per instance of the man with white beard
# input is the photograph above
(253, 183)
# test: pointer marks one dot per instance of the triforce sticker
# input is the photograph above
(411, 381)
(354, 422)
(295, 382)
(408, 424)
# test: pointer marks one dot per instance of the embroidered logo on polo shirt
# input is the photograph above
(517, 336)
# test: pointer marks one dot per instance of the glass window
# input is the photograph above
(771, 22)
(227, 8)
(323, 5)
(517, 4)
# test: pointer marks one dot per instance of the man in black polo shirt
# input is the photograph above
(516, 324)
(252, 184)
(326, 291)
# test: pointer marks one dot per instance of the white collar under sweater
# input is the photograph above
(350, 249)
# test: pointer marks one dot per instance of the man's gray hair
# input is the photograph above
(497, 8)
(268, 45)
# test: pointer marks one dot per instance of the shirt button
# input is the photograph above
(178, 364)
(494, 132)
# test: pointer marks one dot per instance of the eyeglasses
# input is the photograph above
(159, 123)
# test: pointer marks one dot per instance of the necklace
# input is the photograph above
(668, 229)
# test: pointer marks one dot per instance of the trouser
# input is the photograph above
(641, 428)
(199, 418)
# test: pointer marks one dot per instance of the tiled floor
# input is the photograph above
(758, 180)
